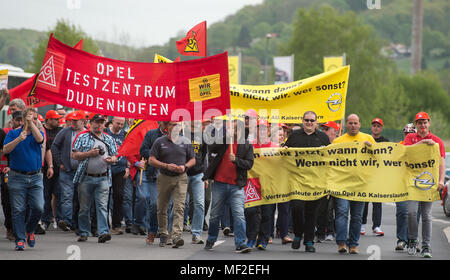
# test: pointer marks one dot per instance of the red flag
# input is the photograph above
(135, 136)
(25, 90)
(194, 44)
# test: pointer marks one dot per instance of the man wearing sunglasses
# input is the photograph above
(303, 212)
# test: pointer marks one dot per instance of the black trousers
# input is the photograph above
(303, 218)
(376, 214)
(118, 183)
(325, 216)
(258, 222)
(6, 204)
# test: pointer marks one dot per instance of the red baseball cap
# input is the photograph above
(332, 125)
(422, 116)
(378, 120)
(40, 118)
(62, 121)
(52, 114)
(78, 115)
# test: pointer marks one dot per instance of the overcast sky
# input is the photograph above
(147, 22)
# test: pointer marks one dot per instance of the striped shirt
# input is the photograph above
(84, 142)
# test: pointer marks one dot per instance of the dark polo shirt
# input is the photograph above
(168, 152)
(299, 139)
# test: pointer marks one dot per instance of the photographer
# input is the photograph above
(96, 151)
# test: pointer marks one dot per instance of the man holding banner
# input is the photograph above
(423, 135)
(343, 206)
(303, 212)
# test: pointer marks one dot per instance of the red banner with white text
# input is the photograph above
(151, 91)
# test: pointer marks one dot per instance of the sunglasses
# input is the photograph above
(308, 120)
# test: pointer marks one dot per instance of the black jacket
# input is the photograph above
(244, 161)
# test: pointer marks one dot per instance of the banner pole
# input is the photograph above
(142, 171)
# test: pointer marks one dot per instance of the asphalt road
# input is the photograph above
(59, 245)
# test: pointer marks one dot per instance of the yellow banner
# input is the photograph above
(161, 59)
(332, 63)
(385, 172)
(324, 94)
(233, 69)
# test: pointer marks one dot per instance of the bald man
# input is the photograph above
(120, 172)
(343, 206)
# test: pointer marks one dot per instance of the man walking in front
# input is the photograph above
(343, 206)
(26, 189)
(96, 151)
(173, 155)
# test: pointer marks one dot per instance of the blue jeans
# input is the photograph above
(67, 190)
(25, 191)
(96, 188)
(145, 209)
(221, 193)
(197, 187)
(401, 214)
(356, 210)
(128, 201)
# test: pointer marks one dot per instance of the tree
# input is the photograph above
(68, 34)
(244, 38)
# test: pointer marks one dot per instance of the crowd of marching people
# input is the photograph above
(63, 170)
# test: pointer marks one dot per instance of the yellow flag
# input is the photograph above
(332, 62)
(161, 59)
(233, 68)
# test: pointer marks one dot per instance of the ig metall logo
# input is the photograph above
(334, 102)
(424, 181)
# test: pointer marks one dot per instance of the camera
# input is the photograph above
(101, 150)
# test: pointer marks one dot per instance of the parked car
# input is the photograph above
(444, 194)
(447, 166)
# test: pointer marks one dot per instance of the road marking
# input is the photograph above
(447, 233)
(441, 221)
(217, 243)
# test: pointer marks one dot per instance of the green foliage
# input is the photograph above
(68, 34)
(335, 34)
(426, 94)
(16, 46)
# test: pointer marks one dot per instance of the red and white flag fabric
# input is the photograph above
(148, 91)
(25, 90)
(194, 44)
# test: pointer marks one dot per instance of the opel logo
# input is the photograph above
(424, 181)
(334, 102)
